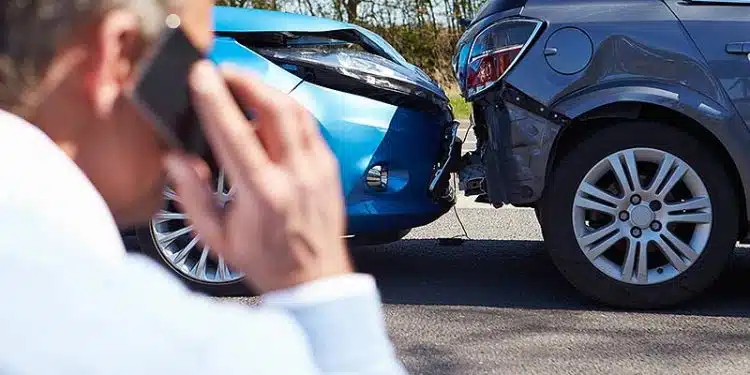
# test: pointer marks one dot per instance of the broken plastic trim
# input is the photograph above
(516, 161)
(512, 95)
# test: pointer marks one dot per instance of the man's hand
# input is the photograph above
(285, 225)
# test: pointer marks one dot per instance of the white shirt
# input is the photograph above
(72, 301)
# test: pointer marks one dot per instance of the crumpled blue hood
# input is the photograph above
(229, 19)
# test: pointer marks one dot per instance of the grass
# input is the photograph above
(461, 109)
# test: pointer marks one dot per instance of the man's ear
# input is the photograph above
(113, 49)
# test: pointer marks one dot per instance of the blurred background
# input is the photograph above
(424, 31)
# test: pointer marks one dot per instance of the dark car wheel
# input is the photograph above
(640, 215)
(169, 239)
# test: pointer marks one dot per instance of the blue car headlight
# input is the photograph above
(353, 70)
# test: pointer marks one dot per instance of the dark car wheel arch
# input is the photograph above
(586, 124)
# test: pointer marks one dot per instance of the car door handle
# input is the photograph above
(739, 48)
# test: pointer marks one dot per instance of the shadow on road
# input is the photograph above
(515, 274)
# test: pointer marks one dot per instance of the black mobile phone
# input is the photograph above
(163, 94)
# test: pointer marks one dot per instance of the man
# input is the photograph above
(73, 302)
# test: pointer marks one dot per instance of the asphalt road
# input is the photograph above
(497, 305)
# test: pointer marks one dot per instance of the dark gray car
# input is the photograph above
(626, 124)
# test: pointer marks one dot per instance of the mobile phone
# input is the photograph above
(162, 92)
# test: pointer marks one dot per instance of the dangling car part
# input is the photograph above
(626, 126)
(389, 124)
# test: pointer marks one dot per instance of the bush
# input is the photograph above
(429, 48)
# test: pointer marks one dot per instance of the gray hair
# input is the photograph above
(31, 30)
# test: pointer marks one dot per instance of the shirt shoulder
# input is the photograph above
(41, 182)
(73, 297)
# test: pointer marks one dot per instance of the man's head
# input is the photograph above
(67, 66)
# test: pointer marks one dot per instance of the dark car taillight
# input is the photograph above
(488, 69)
(495, 50)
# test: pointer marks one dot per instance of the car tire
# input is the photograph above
(169, 239)
(380, 238)
(562, 208)
(147, 246)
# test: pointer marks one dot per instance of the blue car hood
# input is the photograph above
(229, 19)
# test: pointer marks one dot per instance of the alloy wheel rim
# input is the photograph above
(642, 216)
(180, 247)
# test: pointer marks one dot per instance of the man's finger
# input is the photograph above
(200, 167)
(196, 199)
(276, 113)
(234, 141)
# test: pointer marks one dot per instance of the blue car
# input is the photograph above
(389, 124)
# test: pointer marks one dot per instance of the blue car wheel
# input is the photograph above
(171, 241)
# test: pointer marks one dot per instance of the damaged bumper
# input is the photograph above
(389, 124)
(515, 137)
(448, 162)
(420, 157)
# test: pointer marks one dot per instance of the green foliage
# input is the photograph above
(260, 4)
(461, 109)
(234, 3)
(429, 48)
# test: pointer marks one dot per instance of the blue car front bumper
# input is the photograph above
(411, 134)
(418, 148)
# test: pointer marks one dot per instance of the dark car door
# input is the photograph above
(721, 29)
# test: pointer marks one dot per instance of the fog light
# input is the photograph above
(377, 177)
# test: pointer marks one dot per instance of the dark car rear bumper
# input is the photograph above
(514, 152)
